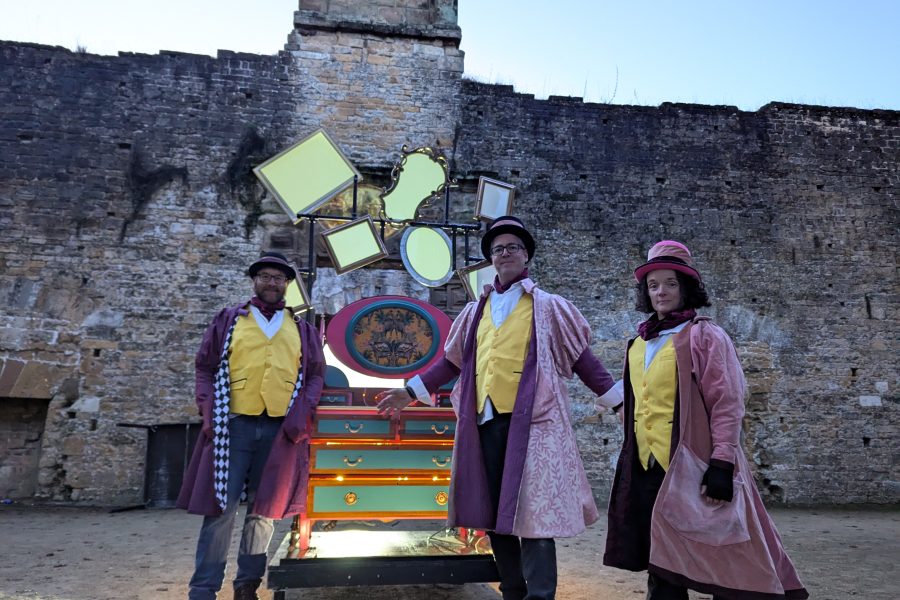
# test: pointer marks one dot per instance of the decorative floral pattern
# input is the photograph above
(393, 336)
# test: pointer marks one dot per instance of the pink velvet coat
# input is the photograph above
(732, 550)
(554, 497)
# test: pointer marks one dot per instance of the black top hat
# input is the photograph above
(507, 224)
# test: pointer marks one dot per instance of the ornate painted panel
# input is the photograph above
(388, 336)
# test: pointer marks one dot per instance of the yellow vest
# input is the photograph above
(263, 370)
(654, 400)
(500, 355)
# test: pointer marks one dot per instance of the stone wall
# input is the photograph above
(792, 214)
(128, 210)
(126, 194)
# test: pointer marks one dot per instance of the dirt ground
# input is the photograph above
(60, 553)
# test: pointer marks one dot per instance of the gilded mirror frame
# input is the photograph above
(400, 216)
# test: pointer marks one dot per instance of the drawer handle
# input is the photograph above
(353, 429)
(352, 463)
(350, 498)
(441, 498)
(437, 461)
(442, 431)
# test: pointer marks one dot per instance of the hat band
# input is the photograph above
(668, 259)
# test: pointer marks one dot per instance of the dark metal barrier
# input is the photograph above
(169, 447)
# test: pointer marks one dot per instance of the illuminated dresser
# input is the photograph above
(364, 466)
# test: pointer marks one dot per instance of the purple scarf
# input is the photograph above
(650, 328)
(500, 288)
(267, 310)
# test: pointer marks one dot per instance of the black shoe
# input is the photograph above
(246, 592)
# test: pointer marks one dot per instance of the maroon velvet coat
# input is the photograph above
(282, 489)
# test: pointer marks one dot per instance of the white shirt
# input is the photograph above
(269, 328)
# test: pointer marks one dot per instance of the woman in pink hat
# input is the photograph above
(684, 505)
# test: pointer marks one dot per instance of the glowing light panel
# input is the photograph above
(475, 277)
(419, 175)
(354, 245)
(494, 199)
(296, 296)
(307, 174)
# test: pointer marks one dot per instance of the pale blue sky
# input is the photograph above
(745, 53)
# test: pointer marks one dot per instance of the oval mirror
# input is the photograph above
(426, 255)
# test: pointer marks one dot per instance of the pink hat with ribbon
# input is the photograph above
(668, 254)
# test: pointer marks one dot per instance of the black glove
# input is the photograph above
(718, 480)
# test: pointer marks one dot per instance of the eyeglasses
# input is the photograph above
(508, 248)
(266, 278)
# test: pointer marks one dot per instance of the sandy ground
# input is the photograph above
(60, 553)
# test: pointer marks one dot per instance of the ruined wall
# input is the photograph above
(378, 75)
(128, 209)
(792, 214)
(125, 198)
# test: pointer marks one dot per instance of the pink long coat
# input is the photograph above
(732, 550)
(554, 497)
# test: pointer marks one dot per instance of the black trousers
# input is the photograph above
(527, 566)
(647, 484)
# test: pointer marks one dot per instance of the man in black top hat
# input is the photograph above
(516, 470)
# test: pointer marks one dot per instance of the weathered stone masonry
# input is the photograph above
(792, 213)
(128, 208)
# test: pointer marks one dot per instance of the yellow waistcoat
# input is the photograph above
(654, 400)
(500, 355)
(263, 370)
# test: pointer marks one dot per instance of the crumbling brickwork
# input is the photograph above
(128, 210)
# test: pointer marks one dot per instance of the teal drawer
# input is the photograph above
(363, 460)
(351, 427)
(429, 428)
(379, 499)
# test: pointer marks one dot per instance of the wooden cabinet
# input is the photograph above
(364, 466)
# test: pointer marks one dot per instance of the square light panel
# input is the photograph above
(296, 296)
(494, 199)
(307, 174)
(475, 277)
(354, 245)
